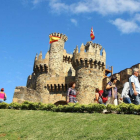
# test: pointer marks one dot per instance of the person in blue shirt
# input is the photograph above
(135, 86)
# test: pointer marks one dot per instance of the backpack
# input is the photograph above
(105, 93)
(101, 92)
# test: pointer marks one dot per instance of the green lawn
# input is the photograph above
(43, 125)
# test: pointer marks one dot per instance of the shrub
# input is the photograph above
(43, 106)
(15, 106)
(79, 108)
(4, 105)
(59, 108)
(99, 107)
(71, 107)
(136, 109)
(49, 107)
(90, 108)
(124, 108)
(34, 106)
(95, 108)
(111, 107)
(24, 106)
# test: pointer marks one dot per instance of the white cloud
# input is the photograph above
(137, 17)
(57, 6)
(103, 7)
(126, 27)
(37, 1)
(74, 21)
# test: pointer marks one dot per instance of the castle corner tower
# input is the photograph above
(56, 54)
(89, 65)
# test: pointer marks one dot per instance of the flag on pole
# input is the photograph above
(54, 39)
(92, 34)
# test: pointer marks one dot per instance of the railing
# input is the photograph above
(108, 67)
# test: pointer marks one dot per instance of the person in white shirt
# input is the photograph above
(125, 93)
(135, 86)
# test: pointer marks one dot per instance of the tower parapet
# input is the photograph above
(89, 66)
(91, 58)
(56, 54)
(63, 37)
(41, 65)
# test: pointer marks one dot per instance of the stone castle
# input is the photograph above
(51, 76)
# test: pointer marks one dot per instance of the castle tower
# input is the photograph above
(56, 54)
(90, 66)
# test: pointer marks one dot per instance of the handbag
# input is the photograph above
(104, 99)
(100, 101)
(5, 98)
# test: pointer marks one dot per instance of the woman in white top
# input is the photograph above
(125, 93)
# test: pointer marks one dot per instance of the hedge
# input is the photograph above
(91, 108)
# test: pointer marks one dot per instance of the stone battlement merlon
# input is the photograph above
(63, 37)
(67, 59)
(57, 87)
(88, 63)
(41, 68)
(91, 53)
(94, 45)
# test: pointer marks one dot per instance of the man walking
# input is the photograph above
(135, 86)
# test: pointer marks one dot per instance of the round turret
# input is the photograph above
(56, 54)
(89, 66)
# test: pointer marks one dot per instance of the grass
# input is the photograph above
(43, 125)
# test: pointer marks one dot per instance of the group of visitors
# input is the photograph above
(130, 92)
(109, 95)
(3, 96)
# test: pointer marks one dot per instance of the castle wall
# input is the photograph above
(123, 76)
(22, 94)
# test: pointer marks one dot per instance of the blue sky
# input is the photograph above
(26, 24)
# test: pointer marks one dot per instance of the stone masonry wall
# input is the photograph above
(87, 80)
(56, 57)
(22, 94)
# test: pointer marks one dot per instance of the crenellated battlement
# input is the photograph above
(57, 87)
(41, 68)
(91, 58)
(40, 64)
(67, 58)
(63, 37)
(94, 46)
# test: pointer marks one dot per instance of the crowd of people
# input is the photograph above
(130, 92)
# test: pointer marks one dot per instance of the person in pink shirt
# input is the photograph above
(2, 95)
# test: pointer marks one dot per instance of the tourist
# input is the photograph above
(135, 86)
(112, 91)
(71, 95)
(98, 96)
(2, 95)
(125, 93)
